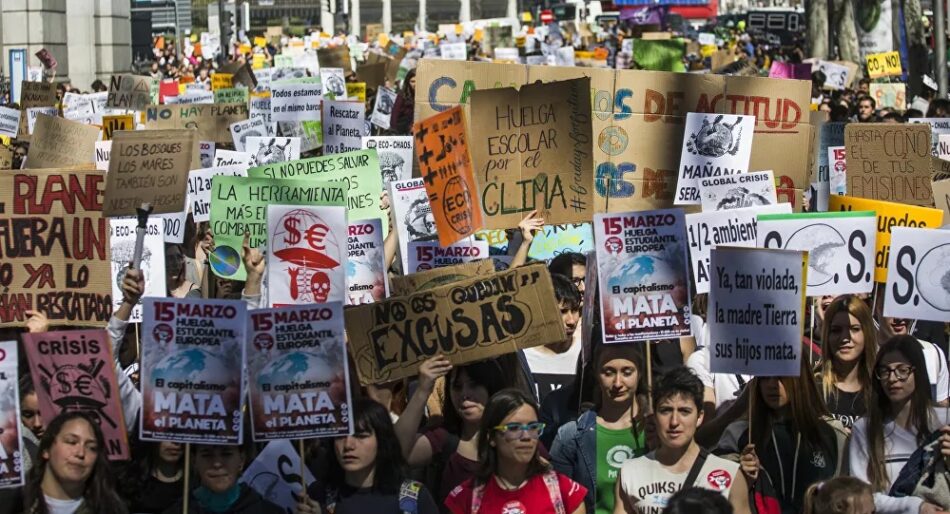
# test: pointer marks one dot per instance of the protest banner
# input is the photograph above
(383, 108)
(240, 131)
(131, 92)
(941, 191)
(306, 254)
(266, 150)
(756, 306)
(713, 145)
(643, 275)
(919, 287)
(74, 370)
(366, 278)
(241, 74)
(889, 162)
(395, 156)
(889, 215)
(112, 124)
(938, 126)
(840, 247)
(838, 76)
(453, 51)
(191, 97)
(474, 319)
(412, 214)
(446, 169)
(260, 109)
(343, 126)
(709, 229)
(9, 123)
(737, 191)
(173, 226)
(221, 81)
(837, 170)
(275, 474)
(333, 83)
(425, 255)
(199, 188)
(211, 121)
(403, 285)
(149, 166)
(239, 204)
(785, 70)
(122, 241)
(299, 376)
(11, 447)
(34, 112)
(87, 109)
(890, 96)
(59, 143)
(356, 91)
(103, 151)
(231, 95)
(533, 152)
(35, 94)
(884, 64)
(55, 255)
(295, 102)
(192, 362)
(233, 158)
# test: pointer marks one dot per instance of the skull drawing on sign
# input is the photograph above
(320, 287)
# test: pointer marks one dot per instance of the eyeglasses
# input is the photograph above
(901, 372)
(515, 431)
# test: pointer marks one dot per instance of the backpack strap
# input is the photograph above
(696, 468)
(554, 491)
(332, 497)
(409, 497)
(477, 494)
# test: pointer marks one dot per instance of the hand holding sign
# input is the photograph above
(531, 224)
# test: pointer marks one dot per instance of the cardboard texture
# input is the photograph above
(403, 285)
(466, 321)
(337, 57)
(211, 122)
(129, 92)
(112, 124)
(60, 143)
(6, 158)
(34, 94)
(532, 150)
(149, 166)
(889, 162)
(374, 75)
(941, 191)
(241, 74)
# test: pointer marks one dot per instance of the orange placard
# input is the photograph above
(446, 166)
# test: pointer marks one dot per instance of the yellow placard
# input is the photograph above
(889, 215)
(258, 61)
(244, 49)
(5, 140)
(383, 39)
(886, 64)
(458, 28)
(221, 81)
(356, 90)
(260, 42)
(479, 35)
(110, 124)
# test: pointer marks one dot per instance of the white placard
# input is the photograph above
(103, 151)
(199, 188)
(413, 214)
(713, 145)
(737, 191)
(837, 171)
(122, 241)
(232, 158)
(453, 51)
(9, 122)
(383, 110)
(343, 126)
(426, 255)
(334, 85)
(275, 475)
(173, 226)
(295, 102)
(33, 112)
(241, 130)
(395, 156)
(269, 150)
(918, 278)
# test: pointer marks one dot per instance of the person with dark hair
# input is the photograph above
(176, 281)
(153, 479)
(892, 117)
(572, 265)
(938, 108)
(864, 86)
(900, 420)
(866, 110)
(72, 475)
(696, 500)
(367, 472)
(552, 366)
(98, 86)
(512, 476)
(401, 118)
(646, 483)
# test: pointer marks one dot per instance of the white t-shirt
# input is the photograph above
(936, 371)
(552, 371)
(62, 506)
(725, 385)
(645, 479)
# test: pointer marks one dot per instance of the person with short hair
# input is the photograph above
(552, 366)
(572, 265)
(866, 110)
(695, 500)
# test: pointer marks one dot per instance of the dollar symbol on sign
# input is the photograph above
(293, 235)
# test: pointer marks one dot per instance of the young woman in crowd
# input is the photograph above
(572, 265)
(840, 495)
(154, 478)
(849, 344)
(901, 418)
(176, 271)
(512, 476)
(368, 472)
(646, 483)
(72, 475)
(591, 449)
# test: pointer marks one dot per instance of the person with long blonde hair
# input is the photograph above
(849, 345)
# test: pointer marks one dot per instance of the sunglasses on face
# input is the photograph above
(515, 431)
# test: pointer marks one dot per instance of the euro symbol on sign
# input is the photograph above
(316, 234)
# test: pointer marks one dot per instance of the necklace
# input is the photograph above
(508, 486)
(168, 479)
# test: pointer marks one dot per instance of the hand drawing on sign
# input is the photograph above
(81, 388)
(336, 86)
(385, 105)
(304, 241)
(715, 140)
(933, 278)
(390, 163)
(271, 152)
(287, 73)
(740, 197)
(122, 252)
(249, 133)
(822, 241)
(419, 220)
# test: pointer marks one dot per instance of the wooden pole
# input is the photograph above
(649, 376)
(187, 472)
(303, 475)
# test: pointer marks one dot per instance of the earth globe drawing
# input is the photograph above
(644, 269)
(196, 365)
(225, 261)
(296, 367)
(822, 242)
(933, 277)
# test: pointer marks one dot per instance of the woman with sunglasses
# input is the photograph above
(900, 420)
(849, 343)
(512, 476)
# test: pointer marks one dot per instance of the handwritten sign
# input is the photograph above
(132, 92)
(199, 188)
(889, 162)
(920, 264)
(9, 122)
(211, 121)
(892, 96)
(60, 143)
(231, 95)
(114, 123)
(886, 64)
(149, 166)
(221, 81)
(274, 474)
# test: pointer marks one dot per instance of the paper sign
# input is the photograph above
(889, 215)
(403, 285)
(6, 158)
(520, 312)
(756, 303)
(306, 254)
(713, 145)
(887, 64)
(295, 102)
(122, 239)
(151, 167)
(334, 86)
(190, 97)
(211, 121)
(241, 130)
(453, 51)
(938, 126)
(9, 126)
(239, 204)
(112, 124)
(274, 474)
(383, 109)
(11, 447)
(941, 191)
(59, 143)
(192, 361)
(395, 156)
(785, 70)
(412, 214)
(103, 150)
(221, 81)
(87, 109)
(554, 240)
(267, 151)
(737, 191)
(643, 275)
(919, 285)
(840, 247)
(533, 151)
(837, 170)
(231, 95)
(232, 158)
(206, 153)
(129, 92)
(74, 370)
(199, 188)
(446, 167)
(299, 377)
(426, 255)
(173, 226)
(836, 75)
(366, 278)
(356, 91)
(343, 126)
(735, 227)
(889, 162)
(893, 96)
(34, 112)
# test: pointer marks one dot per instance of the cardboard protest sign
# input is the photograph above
(885, 64)
(756, 307)
(889, 162)
(501, 313)
(266, 150)
(889, 215)
(395, 156)
(240, 131)
(374, 75)
(6, 158)
(366, 278)
(299, 376)
(941, 191)
(73, 370)
(241, 74)
(233, 158)
(643, 275)
(334, 85)
(239, 204)
(306, 254)
(122, 240)
(221, 81)
(892, 96)
(11, 447)
(9, 122)
(737, 191)
(446, 167)
(295, 102)
(149, 166)
(403, 285)
(113, 124)
(713, 145)
(837, 170)
(231, 95)
(840, 247)
(534, 152)
(919, 287)
(34, 94)
(343, 126)
(426, 255)
(34, 112)
(274, 474)
(383, 108)
(709, 229)
(192, 362)
(131, 92)
(211, 121)
(199, 188)
(59, 143)
(412, 214)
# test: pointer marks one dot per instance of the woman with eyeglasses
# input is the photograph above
(900, 420)
(512, 476)
(849, 344)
